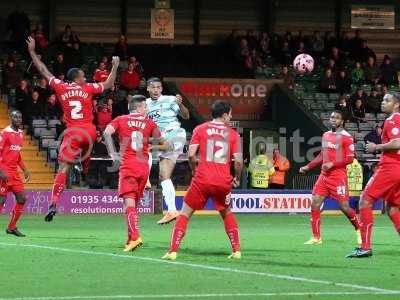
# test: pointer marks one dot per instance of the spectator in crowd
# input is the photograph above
(233, 41)
(130, 79)
(59, 66)
(387, 71)
(12, 76)
(288, 79)
(330, 41)
(121, 48)
(243, 51)
(260, 168)
(121, 107)
(375, 136)
(357, 74)
(264, 49)
(22, 96)
(68, 37)
(285, 56)
(104, 115)
(301, 49)
(52, 108)
(35, 108)
(43, 90)
(40, 38)
(344, 107)
(355, 176)
(345, 43)
(251, 38)
(317, 44)
(18, 26)
(332, 65)
(73, 56)
(358, 111)
(355, 44)
(359, 94)
(328, 82)
(337, 57)
(97, 174)
(371, 71)
(281, 166)
(385, 90)
(343, 84)
(373, 103)
(300, 38)
(101, 73)
(137, 66)
(365, 52)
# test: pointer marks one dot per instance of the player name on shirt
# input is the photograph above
(331, 145)
(73, 94)
(215, 131)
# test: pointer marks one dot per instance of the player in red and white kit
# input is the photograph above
(337, 152)
(75, 97)
(134, 132)
(385, 183)
(11, 140)
(217, 144)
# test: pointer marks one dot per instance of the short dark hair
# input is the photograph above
(134, 101)
(220, 107)
(396, 96)
(152, 80)
(72, 74)
(340, 113)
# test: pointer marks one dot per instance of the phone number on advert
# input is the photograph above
(95, 199)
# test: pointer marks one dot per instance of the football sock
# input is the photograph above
(132, 221)
(168, 191)
(1, 207)
(150, 161)
(58, 187)
(15, 215)
(367, 220)
(316, 223)
(395, 217)
(352, 216)
(232, 231)
(178, 232)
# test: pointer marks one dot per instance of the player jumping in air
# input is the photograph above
(337, 152)
(11, 140)
(134, 131)
(164, 111)
(385, 183)
(75, 97)
(217, 144)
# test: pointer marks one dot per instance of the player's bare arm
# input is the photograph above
(393, 145)
(159, 144)
(109, 83)
(41, 67)
(27, 174)
(193, 158)
(108, 132)
(184, 112)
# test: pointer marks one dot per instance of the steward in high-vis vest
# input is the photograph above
(260, 169)
(281, 165)
(355, 177)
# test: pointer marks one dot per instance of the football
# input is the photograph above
(303, 63)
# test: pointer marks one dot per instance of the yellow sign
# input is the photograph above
(162, 23)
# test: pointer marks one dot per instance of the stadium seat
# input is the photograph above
(360, 146)
(381, 117)
(351, 126)
(54, 122)
(366, 126)
(370, 117)
(39, 122)
(359, 136)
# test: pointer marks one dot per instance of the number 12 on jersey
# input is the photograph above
(217, 151)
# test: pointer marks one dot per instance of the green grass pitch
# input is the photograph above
(81, 257)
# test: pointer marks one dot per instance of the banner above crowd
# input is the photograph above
(373, 16)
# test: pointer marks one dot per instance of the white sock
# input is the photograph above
(150, 162)
(168, 191)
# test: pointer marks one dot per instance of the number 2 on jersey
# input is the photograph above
(217, 151)
(76, 110)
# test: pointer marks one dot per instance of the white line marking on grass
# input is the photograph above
(207, 267)
(224, 295)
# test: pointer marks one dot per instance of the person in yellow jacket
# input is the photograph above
(355, 177)
(260, 168)
(281, 165)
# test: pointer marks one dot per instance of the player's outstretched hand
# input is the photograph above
(370, 147)
(327, 166)
(303, 170)
(115, 61)
(27, 176)
(31, 43)
(179, 99)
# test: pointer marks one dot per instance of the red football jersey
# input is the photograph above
(10, 149)
(390, 132)
(338, 148)
(100, 76)
(76, 100)
(217, 144)
(134, 131)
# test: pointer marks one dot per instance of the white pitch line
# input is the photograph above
(207, 267)
(210, 295)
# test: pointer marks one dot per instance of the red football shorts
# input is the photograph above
(385, 183)
(133, 182)
(14, 184)
(335, 187)
(198, 194)
(77, 144)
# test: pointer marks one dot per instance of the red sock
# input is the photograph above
(395, 217)
(232, 231)
(58, 187)
(316, 223)
(15, 215)
(132, 220)
(352, 216)
(178, 232)
(1, 207)
(367, 220)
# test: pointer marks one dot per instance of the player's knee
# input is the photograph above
(365, 201)
(63, 168)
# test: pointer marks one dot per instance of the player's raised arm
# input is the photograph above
(41, 67)
(108, 132)
(183, 111)
(109, 83)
